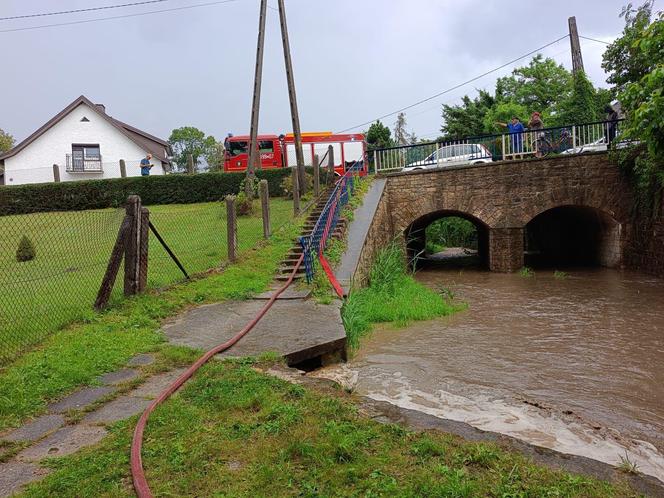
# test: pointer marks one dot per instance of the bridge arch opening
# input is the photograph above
(573, 236)
(448, 238)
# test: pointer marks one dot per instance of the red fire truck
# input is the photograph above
(279, 151)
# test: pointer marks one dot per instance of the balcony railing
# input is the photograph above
(76, 164)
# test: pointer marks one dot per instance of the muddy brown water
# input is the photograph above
(574, 364)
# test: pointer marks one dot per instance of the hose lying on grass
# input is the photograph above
(138, 475)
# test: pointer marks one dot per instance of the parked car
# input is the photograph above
(599, 146)
(451, 155)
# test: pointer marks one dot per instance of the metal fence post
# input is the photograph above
(296, 191)
(316, 176)
(265, 207)
(574, 139)
(231, 226)
(56, 173)
(123, 168)
(132, 246)
(143, 250)
(502, 137)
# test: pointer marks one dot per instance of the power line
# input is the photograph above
(85, 21)
(456, 86)
(76, 11)
(595, 40)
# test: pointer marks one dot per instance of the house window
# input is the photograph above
(83, 158)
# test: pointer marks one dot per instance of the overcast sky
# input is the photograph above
(354, 60)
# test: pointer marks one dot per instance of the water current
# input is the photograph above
(570, 362)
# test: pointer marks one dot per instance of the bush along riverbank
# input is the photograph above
(393, 296)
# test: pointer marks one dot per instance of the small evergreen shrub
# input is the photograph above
(26, 250)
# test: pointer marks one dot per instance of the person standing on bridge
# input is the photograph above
(535, 125)
(516, 130)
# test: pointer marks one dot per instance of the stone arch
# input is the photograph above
(415, 239)
(571, 234)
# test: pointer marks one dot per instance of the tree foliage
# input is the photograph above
(581, 106)
(378, 136)
(6, 141)
(543, 85)
(401, 135)
(187, 141)
(643, 102)
(468, 117)
(624, 60)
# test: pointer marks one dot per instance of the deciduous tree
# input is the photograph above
(6, 141)
(187, 141)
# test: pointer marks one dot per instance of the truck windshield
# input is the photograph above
(237, 148)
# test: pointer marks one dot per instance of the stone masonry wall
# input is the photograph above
(645, 246)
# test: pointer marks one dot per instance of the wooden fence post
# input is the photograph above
(143, 250)
(231, 226)
(302, 179)
(265, 207)
(132, 246)
(113, 267)
(296, 191)
(190, 164)
(56, 173)
(123, 168)
(330, 160)
(316, 176)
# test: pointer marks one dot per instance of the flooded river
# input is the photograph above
(575, 364)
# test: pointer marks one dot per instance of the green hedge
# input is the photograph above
(96, 194)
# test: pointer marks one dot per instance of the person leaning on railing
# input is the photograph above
(536, 124)
(516, 130)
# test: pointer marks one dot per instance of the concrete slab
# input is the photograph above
(118, 409)
(288, 294)
(155, 385)
(14, 475)
(80, 399)
(35, 429)
(65, 441)
(118, 377)
(299, 330)
(357, 233)
(141, 360)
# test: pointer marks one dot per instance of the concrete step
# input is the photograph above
(284, 277)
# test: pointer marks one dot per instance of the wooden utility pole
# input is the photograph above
(299, 156)
(577, 59)
(254, 153)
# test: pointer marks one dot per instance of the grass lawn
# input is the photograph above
(76, 355)
(234, 431)
(72, 249)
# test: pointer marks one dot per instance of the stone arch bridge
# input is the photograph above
(566, 205)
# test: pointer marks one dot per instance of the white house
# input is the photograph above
(85, 143)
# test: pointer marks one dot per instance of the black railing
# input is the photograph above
(76, 164)
(570, 139)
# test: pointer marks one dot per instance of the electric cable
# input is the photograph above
(455, 87)
(124, 16)
(76, 11)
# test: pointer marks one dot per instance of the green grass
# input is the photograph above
(76, 355)
(236, 432)
(561, 275)
(72, 249)
(526, 272)
(393, 295)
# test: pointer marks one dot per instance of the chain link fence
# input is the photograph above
(52, 264)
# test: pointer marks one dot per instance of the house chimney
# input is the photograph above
(101, 107)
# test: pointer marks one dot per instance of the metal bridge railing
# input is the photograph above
(314, 244)
(572, 139)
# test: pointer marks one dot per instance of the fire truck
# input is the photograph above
(349, 150)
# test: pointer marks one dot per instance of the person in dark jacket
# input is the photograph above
(611, 124)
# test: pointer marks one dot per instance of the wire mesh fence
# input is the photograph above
(52, 264)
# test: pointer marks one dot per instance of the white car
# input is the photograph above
(599, 146)
(451, 155)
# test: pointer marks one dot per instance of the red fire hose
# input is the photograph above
(138, 475)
